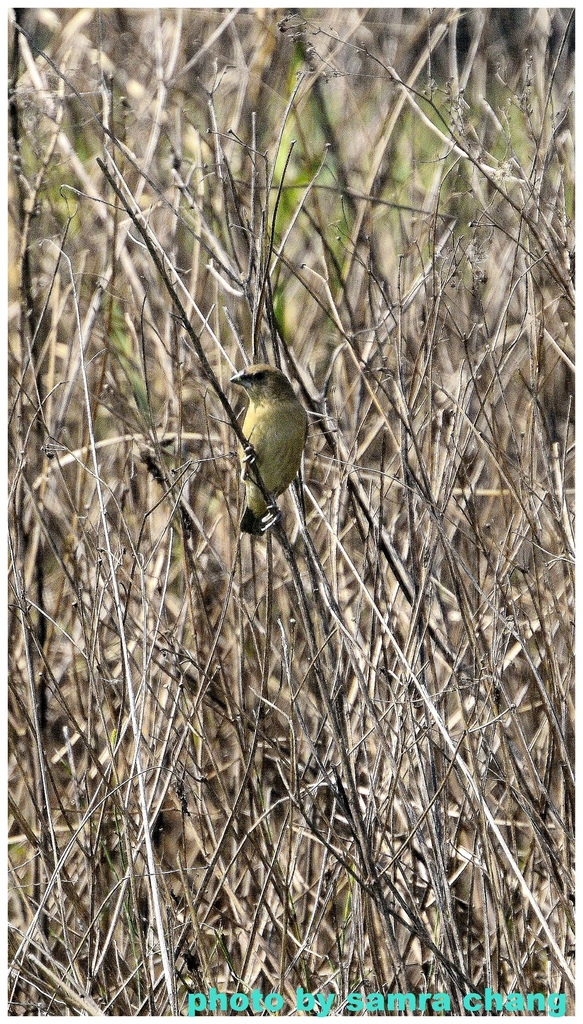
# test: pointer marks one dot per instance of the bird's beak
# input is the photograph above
(237, 379)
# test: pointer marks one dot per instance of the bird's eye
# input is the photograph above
(259, 376)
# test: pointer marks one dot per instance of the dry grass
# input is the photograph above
(340, 757)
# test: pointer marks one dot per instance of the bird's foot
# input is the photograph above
(249, 457)
(248, 462)
(270, 518)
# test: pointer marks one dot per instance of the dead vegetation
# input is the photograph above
(340, 757)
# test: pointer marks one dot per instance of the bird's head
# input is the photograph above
(263, 382)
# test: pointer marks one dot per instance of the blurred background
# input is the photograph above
(340, 756)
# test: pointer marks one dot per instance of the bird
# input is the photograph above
(276, 425)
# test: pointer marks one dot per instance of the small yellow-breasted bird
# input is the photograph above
(276, 425)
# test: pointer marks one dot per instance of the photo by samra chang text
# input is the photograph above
(553, 1004)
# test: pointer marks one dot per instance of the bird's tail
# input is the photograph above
(250, 523)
